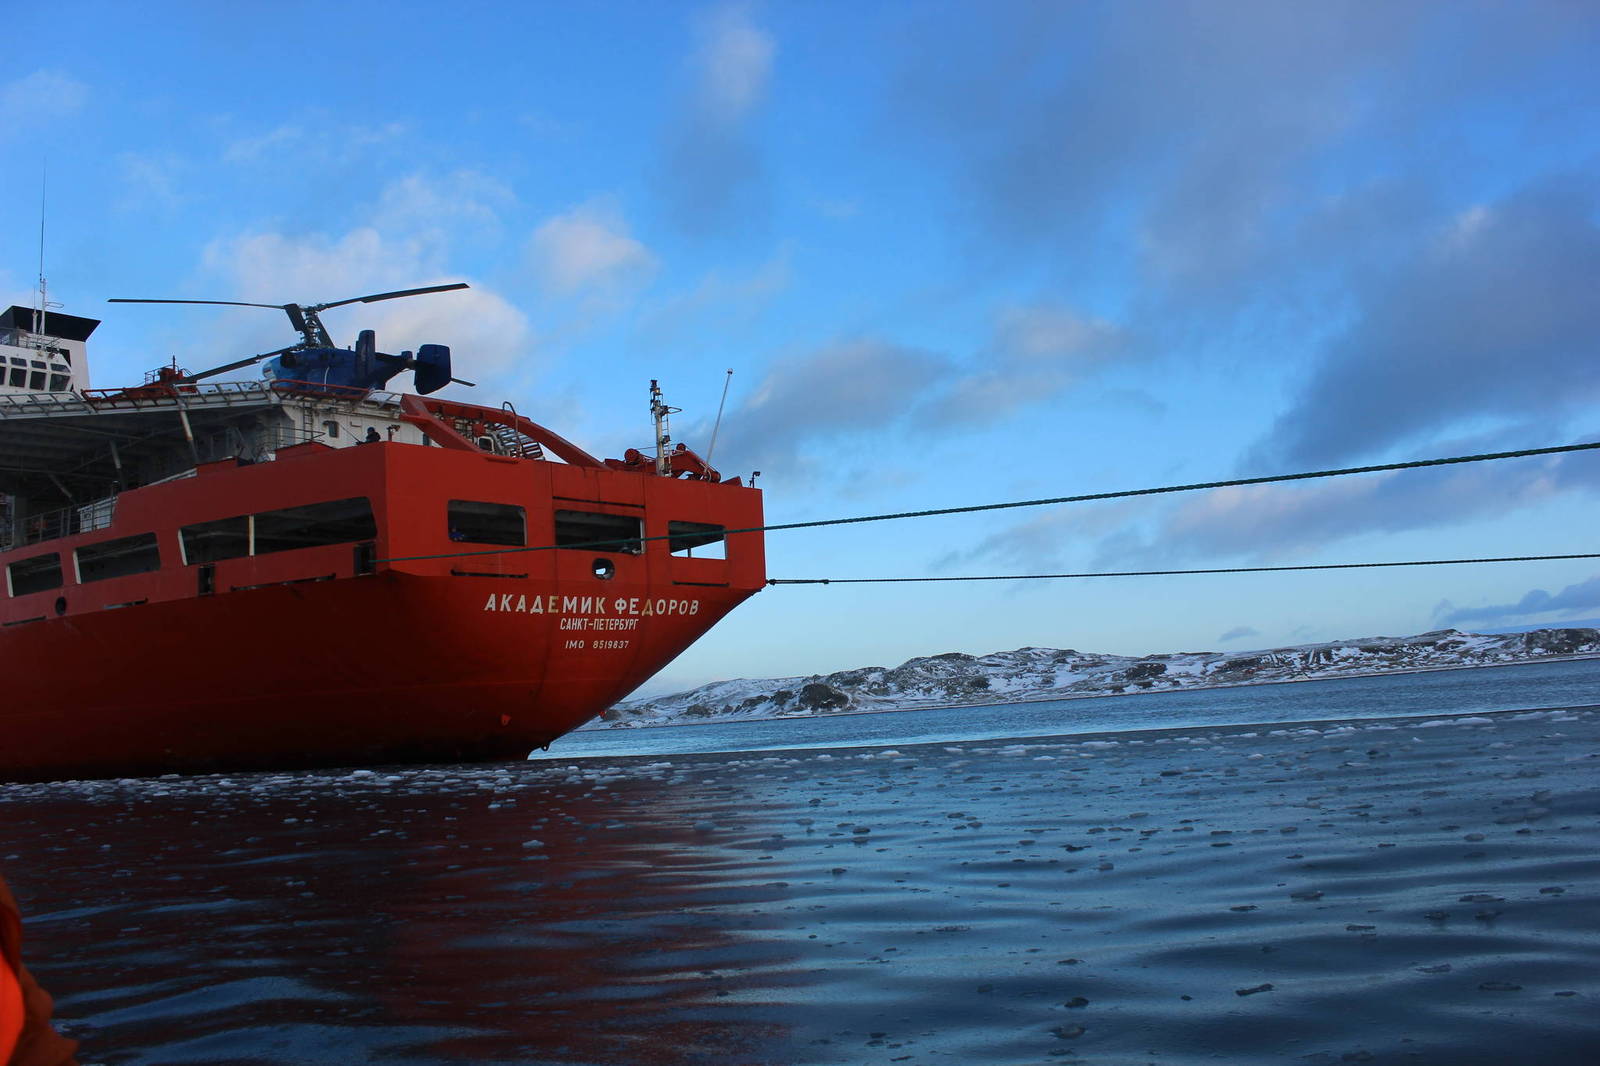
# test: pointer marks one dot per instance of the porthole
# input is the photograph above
(605, 569)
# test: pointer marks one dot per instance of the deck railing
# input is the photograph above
(199, 395)
(65, 522)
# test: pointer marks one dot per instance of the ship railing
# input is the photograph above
(316, 391)
(65, 522)
(284, 435)
(18, 337)
(198, 394)
(202, 394)
(22, 404)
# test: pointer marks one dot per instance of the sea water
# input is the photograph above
(1386, 870)
(1568, 683)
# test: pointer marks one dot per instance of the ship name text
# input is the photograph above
(591, 612)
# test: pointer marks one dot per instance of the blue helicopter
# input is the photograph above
(316, 362)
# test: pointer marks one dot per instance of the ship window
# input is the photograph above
(699, 539)
(487, 523)
(19, 378)
(592, 531)
(207, 542)
(118, 558)
(36, 381)
(36, 574)
(38, 365)
(336, 522)
(58, 383)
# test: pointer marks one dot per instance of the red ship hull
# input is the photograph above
(411, 646)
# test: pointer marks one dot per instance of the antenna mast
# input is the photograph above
(44, 300)
(659, 412)
(718, 424)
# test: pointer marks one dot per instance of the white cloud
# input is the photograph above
(38, 98)
(589, 250)
(841, 389)
(149, 181)
(715, 180)
(251, 149)
(1047, 539)
(1036, 351)
(734, 64)
(720, 300)
(445, 207)
(405, 242)
(318, 137)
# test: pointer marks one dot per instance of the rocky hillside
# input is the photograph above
(956, 679)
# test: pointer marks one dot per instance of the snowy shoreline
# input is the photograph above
(1039, 675)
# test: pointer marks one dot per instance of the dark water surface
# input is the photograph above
(1379, 890)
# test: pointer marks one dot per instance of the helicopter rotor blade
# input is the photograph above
(224, 303)
(390, 295)
(468, 384)
(237, 364)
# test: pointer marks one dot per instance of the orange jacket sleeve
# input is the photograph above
(25, 1032)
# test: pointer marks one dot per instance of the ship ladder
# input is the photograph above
(512, 441)
(507, 441)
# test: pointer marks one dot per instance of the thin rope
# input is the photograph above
(1170, 573)
(1379, 468)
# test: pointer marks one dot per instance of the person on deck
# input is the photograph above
(26, 1038)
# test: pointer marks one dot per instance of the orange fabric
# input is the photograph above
(34, 1042)
(10, 1010)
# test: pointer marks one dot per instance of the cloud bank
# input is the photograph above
(1584, 596)
(1495, 317)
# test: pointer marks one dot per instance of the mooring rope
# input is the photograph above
(1271, 479)
(1170, 573)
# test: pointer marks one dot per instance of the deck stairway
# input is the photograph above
(509, 440)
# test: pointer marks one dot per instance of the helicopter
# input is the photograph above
(315, 360)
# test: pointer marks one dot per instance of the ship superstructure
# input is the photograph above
(299, 571)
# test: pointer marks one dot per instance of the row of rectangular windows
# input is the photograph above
(35, 382)
(344, 522)
(336, 522)
(475, 522)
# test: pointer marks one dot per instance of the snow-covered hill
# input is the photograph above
(956, 679)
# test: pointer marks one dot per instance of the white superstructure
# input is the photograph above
(43, 357)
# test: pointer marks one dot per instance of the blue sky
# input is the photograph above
(955, 253)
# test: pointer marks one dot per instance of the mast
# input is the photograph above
(44, 303)
(658, 413)
(41, 312)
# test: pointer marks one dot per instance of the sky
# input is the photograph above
(954, 253)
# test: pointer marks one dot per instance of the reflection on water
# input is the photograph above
(1374, 891)
(412, 917)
